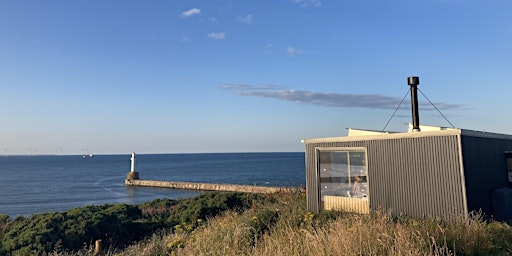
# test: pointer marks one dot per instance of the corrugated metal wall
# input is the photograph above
(415, 176)
(485, 169)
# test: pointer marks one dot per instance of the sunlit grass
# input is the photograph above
(282, 226)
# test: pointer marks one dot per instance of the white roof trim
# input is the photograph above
(387, 136)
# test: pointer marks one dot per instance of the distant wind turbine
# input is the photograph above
(32, 151)
(59, 151)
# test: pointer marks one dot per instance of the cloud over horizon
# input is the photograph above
(247, 19)
(191, 12)
(373, 101)
(217, 36)
(307, 3)
(292, 51)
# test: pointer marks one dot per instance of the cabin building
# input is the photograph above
(426, 172)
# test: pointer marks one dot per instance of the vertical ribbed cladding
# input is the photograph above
(312, 196)
(415, 176)
(413, 82)
(425, 178)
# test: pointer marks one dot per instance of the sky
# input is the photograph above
(112, 77)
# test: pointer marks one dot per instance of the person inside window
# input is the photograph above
(357, 191)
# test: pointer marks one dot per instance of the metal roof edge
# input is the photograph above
(387, 136)
(399, 135)
(484, 134)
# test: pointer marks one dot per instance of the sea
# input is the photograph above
(37, 184)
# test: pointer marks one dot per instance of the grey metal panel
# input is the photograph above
(312, 196)
(417, 176)
(484, 169)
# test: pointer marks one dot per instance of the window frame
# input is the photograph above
(347, 150)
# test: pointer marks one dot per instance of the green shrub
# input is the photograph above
(116, 225)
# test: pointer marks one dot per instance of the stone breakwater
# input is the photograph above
(205, 186)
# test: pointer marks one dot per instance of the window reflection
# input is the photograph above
(343, 173)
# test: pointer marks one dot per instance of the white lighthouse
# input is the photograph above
(132, 175)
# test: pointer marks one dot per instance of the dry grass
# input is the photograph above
(284, 227)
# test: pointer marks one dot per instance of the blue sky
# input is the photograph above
(112, 77)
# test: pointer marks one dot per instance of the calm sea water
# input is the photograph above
(36, 184)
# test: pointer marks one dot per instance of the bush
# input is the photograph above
(116, 225)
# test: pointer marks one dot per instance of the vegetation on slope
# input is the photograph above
(274, 224)
(282, 226)
(116, 225)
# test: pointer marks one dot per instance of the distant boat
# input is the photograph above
(88, 156)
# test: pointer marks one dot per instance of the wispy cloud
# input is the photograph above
(217, 36)
(373, 101)
(247, 19)
(292, 51)
(307, 3)
(191, 12)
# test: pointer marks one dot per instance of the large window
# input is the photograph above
(342, 173)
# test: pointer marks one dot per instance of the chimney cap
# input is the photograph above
(413, 80)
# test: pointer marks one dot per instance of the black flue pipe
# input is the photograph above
(413, 81)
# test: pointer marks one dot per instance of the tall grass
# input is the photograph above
(282, 226)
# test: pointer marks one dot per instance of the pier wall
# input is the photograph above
(205, 186)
